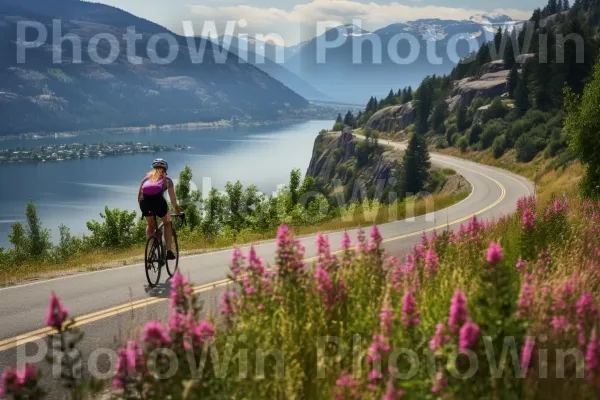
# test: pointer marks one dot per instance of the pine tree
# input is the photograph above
(409, 94)
(415, 167)
(566, 5)
(424, 104)
(513, 81)
(38, 238)
(509, 50)
(375, 104)
(522, 92)
(390, 100)
(461, 118)
(339, 118)
(349, 119)
(438, 116)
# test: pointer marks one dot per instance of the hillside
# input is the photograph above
(345, 166)
(507, 110)
(42, 96)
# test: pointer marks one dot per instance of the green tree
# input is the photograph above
(117, 230)
(339, 117)
(438, 116)
(462, 121)
(38, 238)
(295, 179)
(214, 210)
(188, 199)
(19, 241)
(509, 50)
(415, 167)
(513, 81)
(424, 104)
(235, 214)
(582, 127)
(349, 119)
(521, 94)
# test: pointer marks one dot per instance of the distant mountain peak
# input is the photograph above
(490, 18)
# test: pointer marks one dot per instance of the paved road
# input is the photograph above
(110, 305)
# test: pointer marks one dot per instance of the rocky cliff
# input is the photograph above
(356, 167)
(342, 161)
(393, 118)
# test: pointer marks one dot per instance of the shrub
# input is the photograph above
(492, 130)
(499, 146)
(117, 229)
(526, 148)
(441, 143)
(475, 133)
(462, 143)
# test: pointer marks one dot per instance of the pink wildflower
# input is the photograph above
(587, 316)
(458, 311)
(592, 360)
(468, 335)
(180, 289)
(227, 306)
(521, 266)
(391, 393)
(27, 375)
(155, 335)
(290, 253)
(387, 318)
(346, 388)
(346, 242)
(526, 298)
(56, 314)
(528, 219)
(325, 259)
(410, 315)
(10, 381)
(237, 262)
(494, 253)
(203, 332)
(431, 262)
(376, 237)
(378, 346)
(527, 353)
(439, 339)
(440, 382)
(129, 364)
(255, 263)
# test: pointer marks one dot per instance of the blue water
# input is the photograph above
(75, 191)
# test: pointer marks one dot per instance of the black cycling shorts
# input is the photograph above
(154, 205)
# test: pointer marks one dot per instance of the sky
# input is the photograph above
(295, 20)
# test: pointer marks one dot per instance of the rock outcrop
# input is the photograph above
(491, 67)
(488, 86)
(393, 118)
(334, 162)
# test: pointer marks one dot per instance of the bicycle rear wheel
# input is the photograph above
(172, 265)
(153, 259)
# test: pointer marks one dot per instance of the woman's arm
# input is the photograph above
(172, 197)
(140, 194)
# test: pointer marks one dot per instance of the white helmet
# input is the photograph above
(160, 163)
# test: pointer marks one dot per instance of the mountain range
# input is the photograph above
(41, 95)
(344, 79)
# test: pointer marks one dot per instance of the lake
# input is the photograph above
(73, 192)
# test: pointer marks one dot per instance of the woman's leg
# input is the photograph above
(168, 233)
(150, 228)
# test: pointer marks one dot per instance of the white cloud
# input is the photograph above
(289, 23)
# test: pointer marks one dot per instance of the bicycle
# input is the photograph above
(155, 256)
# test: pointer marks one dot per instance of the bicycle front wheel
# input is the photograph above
(153, 259)
(172, 265)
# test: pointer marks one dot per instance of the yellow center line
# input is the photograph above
(39, 334)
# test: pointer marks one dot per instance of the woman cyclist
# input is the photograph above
(152, 201)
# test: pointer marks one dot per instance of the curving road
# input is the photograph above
(110, 305)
